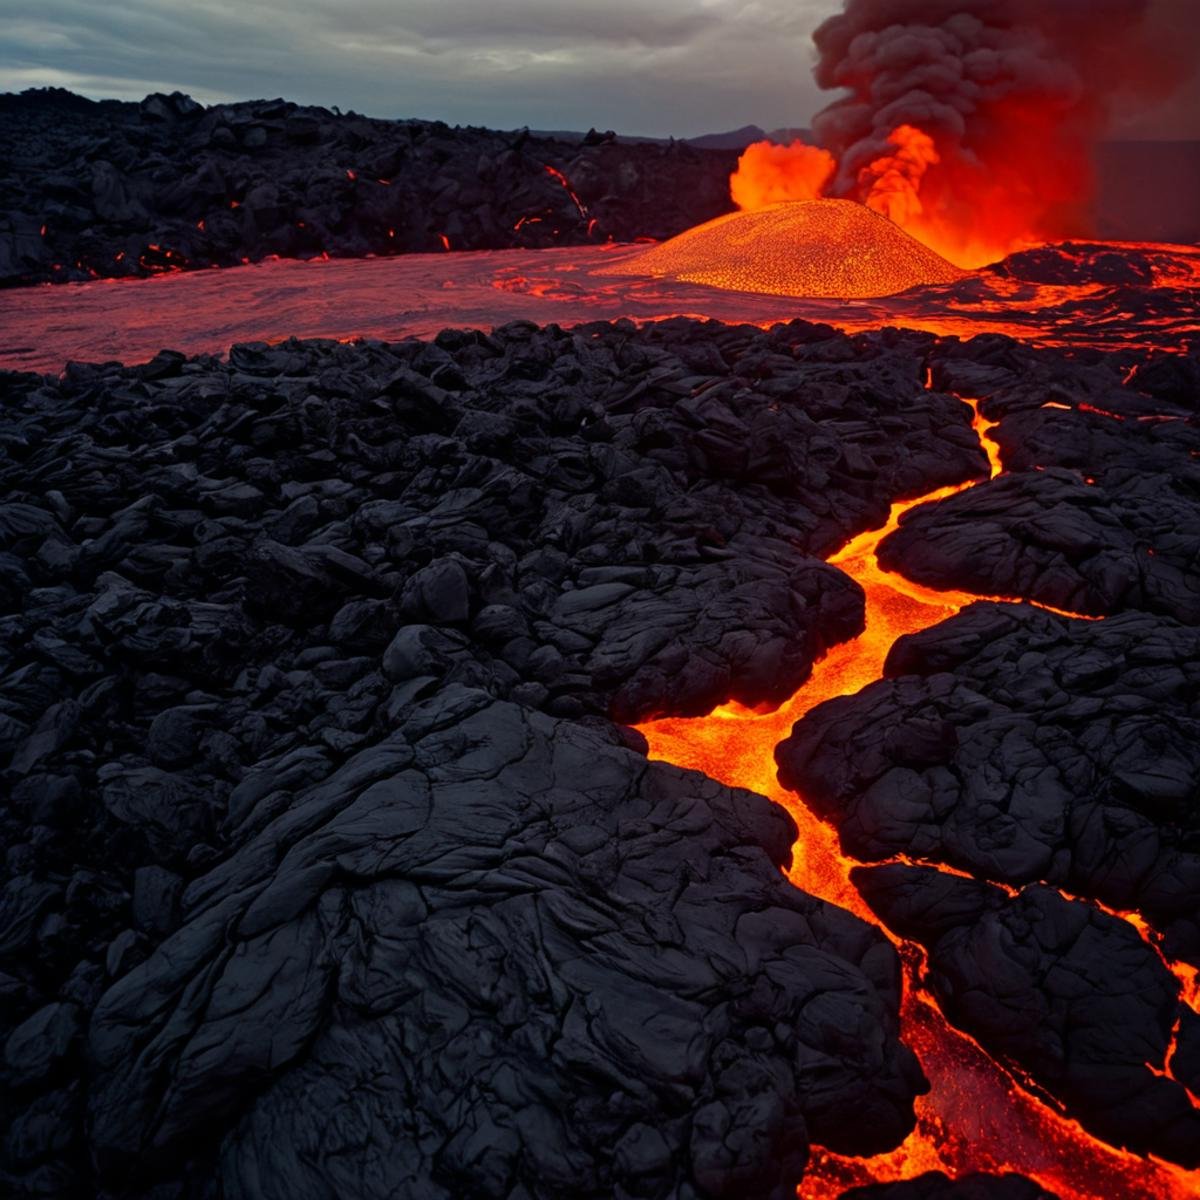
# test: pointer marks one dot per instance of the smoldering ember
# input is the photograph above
(541, 665)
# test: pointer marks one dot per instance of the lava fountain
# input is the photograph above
(976, 1116)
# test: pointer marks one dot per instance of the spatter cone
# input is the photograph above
(803, 248)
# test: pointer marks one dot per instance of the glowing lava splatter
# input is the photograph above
(976, 1117)
(802, 248)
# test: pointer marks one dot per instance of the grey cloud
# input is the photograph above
(675, 66)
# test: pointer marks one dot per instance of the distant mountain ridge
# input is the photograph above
(733, 139)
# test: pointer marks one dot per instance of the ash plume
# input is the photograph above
(1014, 94)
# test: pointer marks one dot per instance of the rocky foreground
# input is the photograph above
(333, 867)
(112, 189)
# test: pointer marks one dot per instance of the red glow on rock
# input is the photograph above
(1100, 412)
(445, 241)
(200, 224)
(555, 173)
(43, 231)
(350, 174)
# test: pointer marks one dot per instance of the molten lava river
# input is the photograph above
(976, 1117)
(1063, 296)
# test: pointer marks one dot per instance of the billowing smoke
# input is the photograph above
(972, 122)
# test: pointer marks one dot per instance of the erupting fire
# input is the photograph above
(970, 123)
(893, 183)
(959, 215)
(976, 1117)
(769, 174)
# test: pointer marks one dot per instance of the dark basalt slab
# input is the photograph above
(1025, 746)
(1099, 507)
(1088, 547)
(509, 958)
(324, 853)
(1066, 994)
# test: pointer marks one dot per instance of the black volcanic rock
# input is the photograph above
(1099, 507)
(1088, 547)
(457, 929)
(1025, 746)
(321, 828)
(934, 1185)
(123, 189)
(1078, 263)
(1066, 993)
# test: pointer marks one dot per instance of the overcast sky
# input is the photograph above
(659, 67)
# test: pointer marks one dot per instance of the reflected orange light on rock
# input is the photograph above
(976, 1116)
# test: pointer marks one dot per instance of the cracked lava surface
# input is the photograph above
(976, 1116)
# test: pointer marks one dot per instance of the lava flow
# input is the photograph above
(976, 1116)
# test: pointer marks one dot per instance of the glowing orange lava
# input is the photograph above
(975, 1117)
(802, 248)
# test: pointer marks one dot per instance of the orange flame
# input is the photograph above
(892, 184)
(768, 174)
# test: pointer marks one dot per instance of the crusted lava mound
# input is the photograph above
(118, 189)
(328, 869)
(801, 248)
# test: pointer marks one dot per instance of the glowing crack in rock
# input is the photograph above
(977, 1116)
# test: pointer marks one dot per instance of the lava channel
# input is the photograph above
(976, 1117)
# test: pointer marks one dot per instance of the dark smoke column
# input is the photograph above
(1013, 93)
